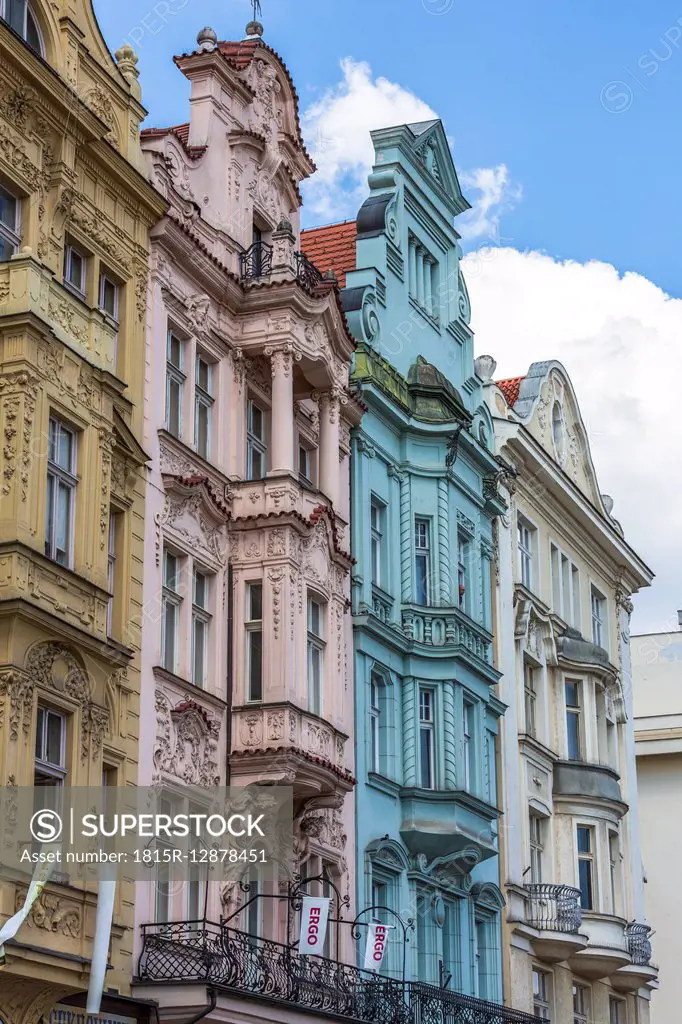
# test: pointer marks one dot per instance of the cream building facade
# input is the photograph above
(657, 686)
(575, 934)
(75, 212)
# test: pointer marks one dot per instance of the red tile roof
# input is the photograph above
(332, 248)
(181, 132)
(510, 389)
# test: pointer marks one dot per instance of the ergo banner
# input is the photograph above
(377, 937)
(314, 915)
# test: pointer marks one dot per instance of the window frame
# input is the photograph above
(57, 772)
(463, 571)
(574, 712)
(427, 735)
(171, 597)
(468, 743)
(175, 376)
(621, 1007)
(67, 479)
(200, 614)
(106, 278)
(316, 647)
(375, 683)
(256, 444)
(565, 585)
(203, 399)
(11, 234)
(536, 842)
(111, 565)
(589, 858)
(28, 13)
(253, 628)
(582, 1013)
(71, 248)
(377, 515)
(542, 999)
(422, 552)
(525, 553)
(599, 617)
(530, 698)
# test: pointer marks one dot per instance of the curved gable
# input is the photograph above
(547, 406)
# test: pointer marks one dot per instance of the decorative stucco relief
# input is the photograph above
(186, 745)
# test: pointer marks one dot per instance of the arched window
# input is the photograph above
(558, 433)
(20, 17)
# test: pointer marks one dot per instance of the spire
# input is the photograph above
(254, 27)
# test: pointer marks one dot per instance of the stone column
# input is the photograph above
(329, 402)
(282, 421)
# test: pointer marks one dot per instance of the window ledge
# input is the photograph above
(213, 698)
(383, 784)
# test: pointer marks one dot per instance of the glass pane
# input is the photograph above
(39, 734)
(32, 35)
(7, 249)
(199, 668)
(203, 375)
(169, 623)
(170, 574)
(573, 735)
(571, 695)
(174, 351)
(63, 524)
(256, 602)
(49, 516)
(15, 14)
(65, 448)
(202, 425)
(8, 209)
(584, 845)
(75, 269)
(108, 296)
(200, 590)
(54, 738)
(173, 411)
(585, 877)
(421, 581)
(425, 740)
(255, 421)
(255, 664)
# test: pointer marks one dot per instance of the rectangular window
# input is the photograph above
(111, 566)
(469, 746)
(581, 1005)
(108, 296)
(201, 622)
(175, 379)
(574, 739)
(376, 519)
(50, 750)
(75, 263)
(542, 989)
(537, 847)
(422, 561)
(203, 404)
(254, 640)
(525, 545)
(316, 645)
(598, 606)
(565, 587)
(463, 561)
(256, 444)
(426, 744)
(585, 843)
(10, 239)
(170, 618)
(451, 944)
(61, 492)
(617, 1011)
(530, 697)
(306, 464)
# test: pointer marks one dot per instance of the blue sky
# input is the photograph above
(564, 118)
(517, 82)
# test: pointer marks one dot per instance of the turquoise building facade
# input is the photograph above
(424, 499)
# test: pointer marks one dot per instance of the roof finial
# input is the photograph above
(255, 28)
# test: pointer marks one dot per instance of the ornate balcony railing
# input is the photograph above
(306, 271)
(639, 946)
(553, 908)
(443, 627)
(256, 261)
(232, 960)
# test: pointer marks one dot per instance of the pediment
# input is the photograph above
(433, 150)
(127, 443)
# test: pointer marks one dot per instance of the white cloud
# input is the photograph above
(619, 339)
(337, 127)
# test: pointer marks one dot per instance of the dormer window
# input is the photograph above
(19, 16)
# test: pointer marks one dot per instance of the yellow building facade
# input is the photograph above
(75, 213)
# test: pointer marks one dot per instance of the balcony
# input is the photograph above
(641, 971)
(233, 962)
(256, 262)
(446, 628)
(607, 948)
(589, 782)
(553, 913)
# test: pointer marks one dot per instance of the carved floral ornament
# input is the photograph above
(52, 667)
(195, 516)
(186, 745)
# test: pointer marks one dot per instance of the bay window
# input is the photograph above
(422, 561)
(256, 441)
(254, 641)
(426, 738)
(586, 866)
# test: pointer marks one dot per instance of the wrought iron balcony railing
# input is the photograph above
(232, 960)
(639, 946)
(554, 908)
(306, 271)
(256, 261)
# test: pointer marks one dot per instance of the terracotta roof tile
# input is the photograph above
(332, 248)
(181, 132)
(510, 389)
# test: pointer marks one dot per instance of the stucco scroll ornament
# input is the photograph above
(16, 703)
(371, 324)
(101, 105)
(198, 309)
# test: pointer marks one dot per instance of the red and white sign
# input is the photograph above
(377, 937)
(314, 914)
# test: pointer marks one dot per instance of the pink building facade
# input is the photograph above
(246, 662)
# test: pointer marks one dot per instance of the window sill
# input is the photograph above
(383, 784)
(76, 292)
(171, 677)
